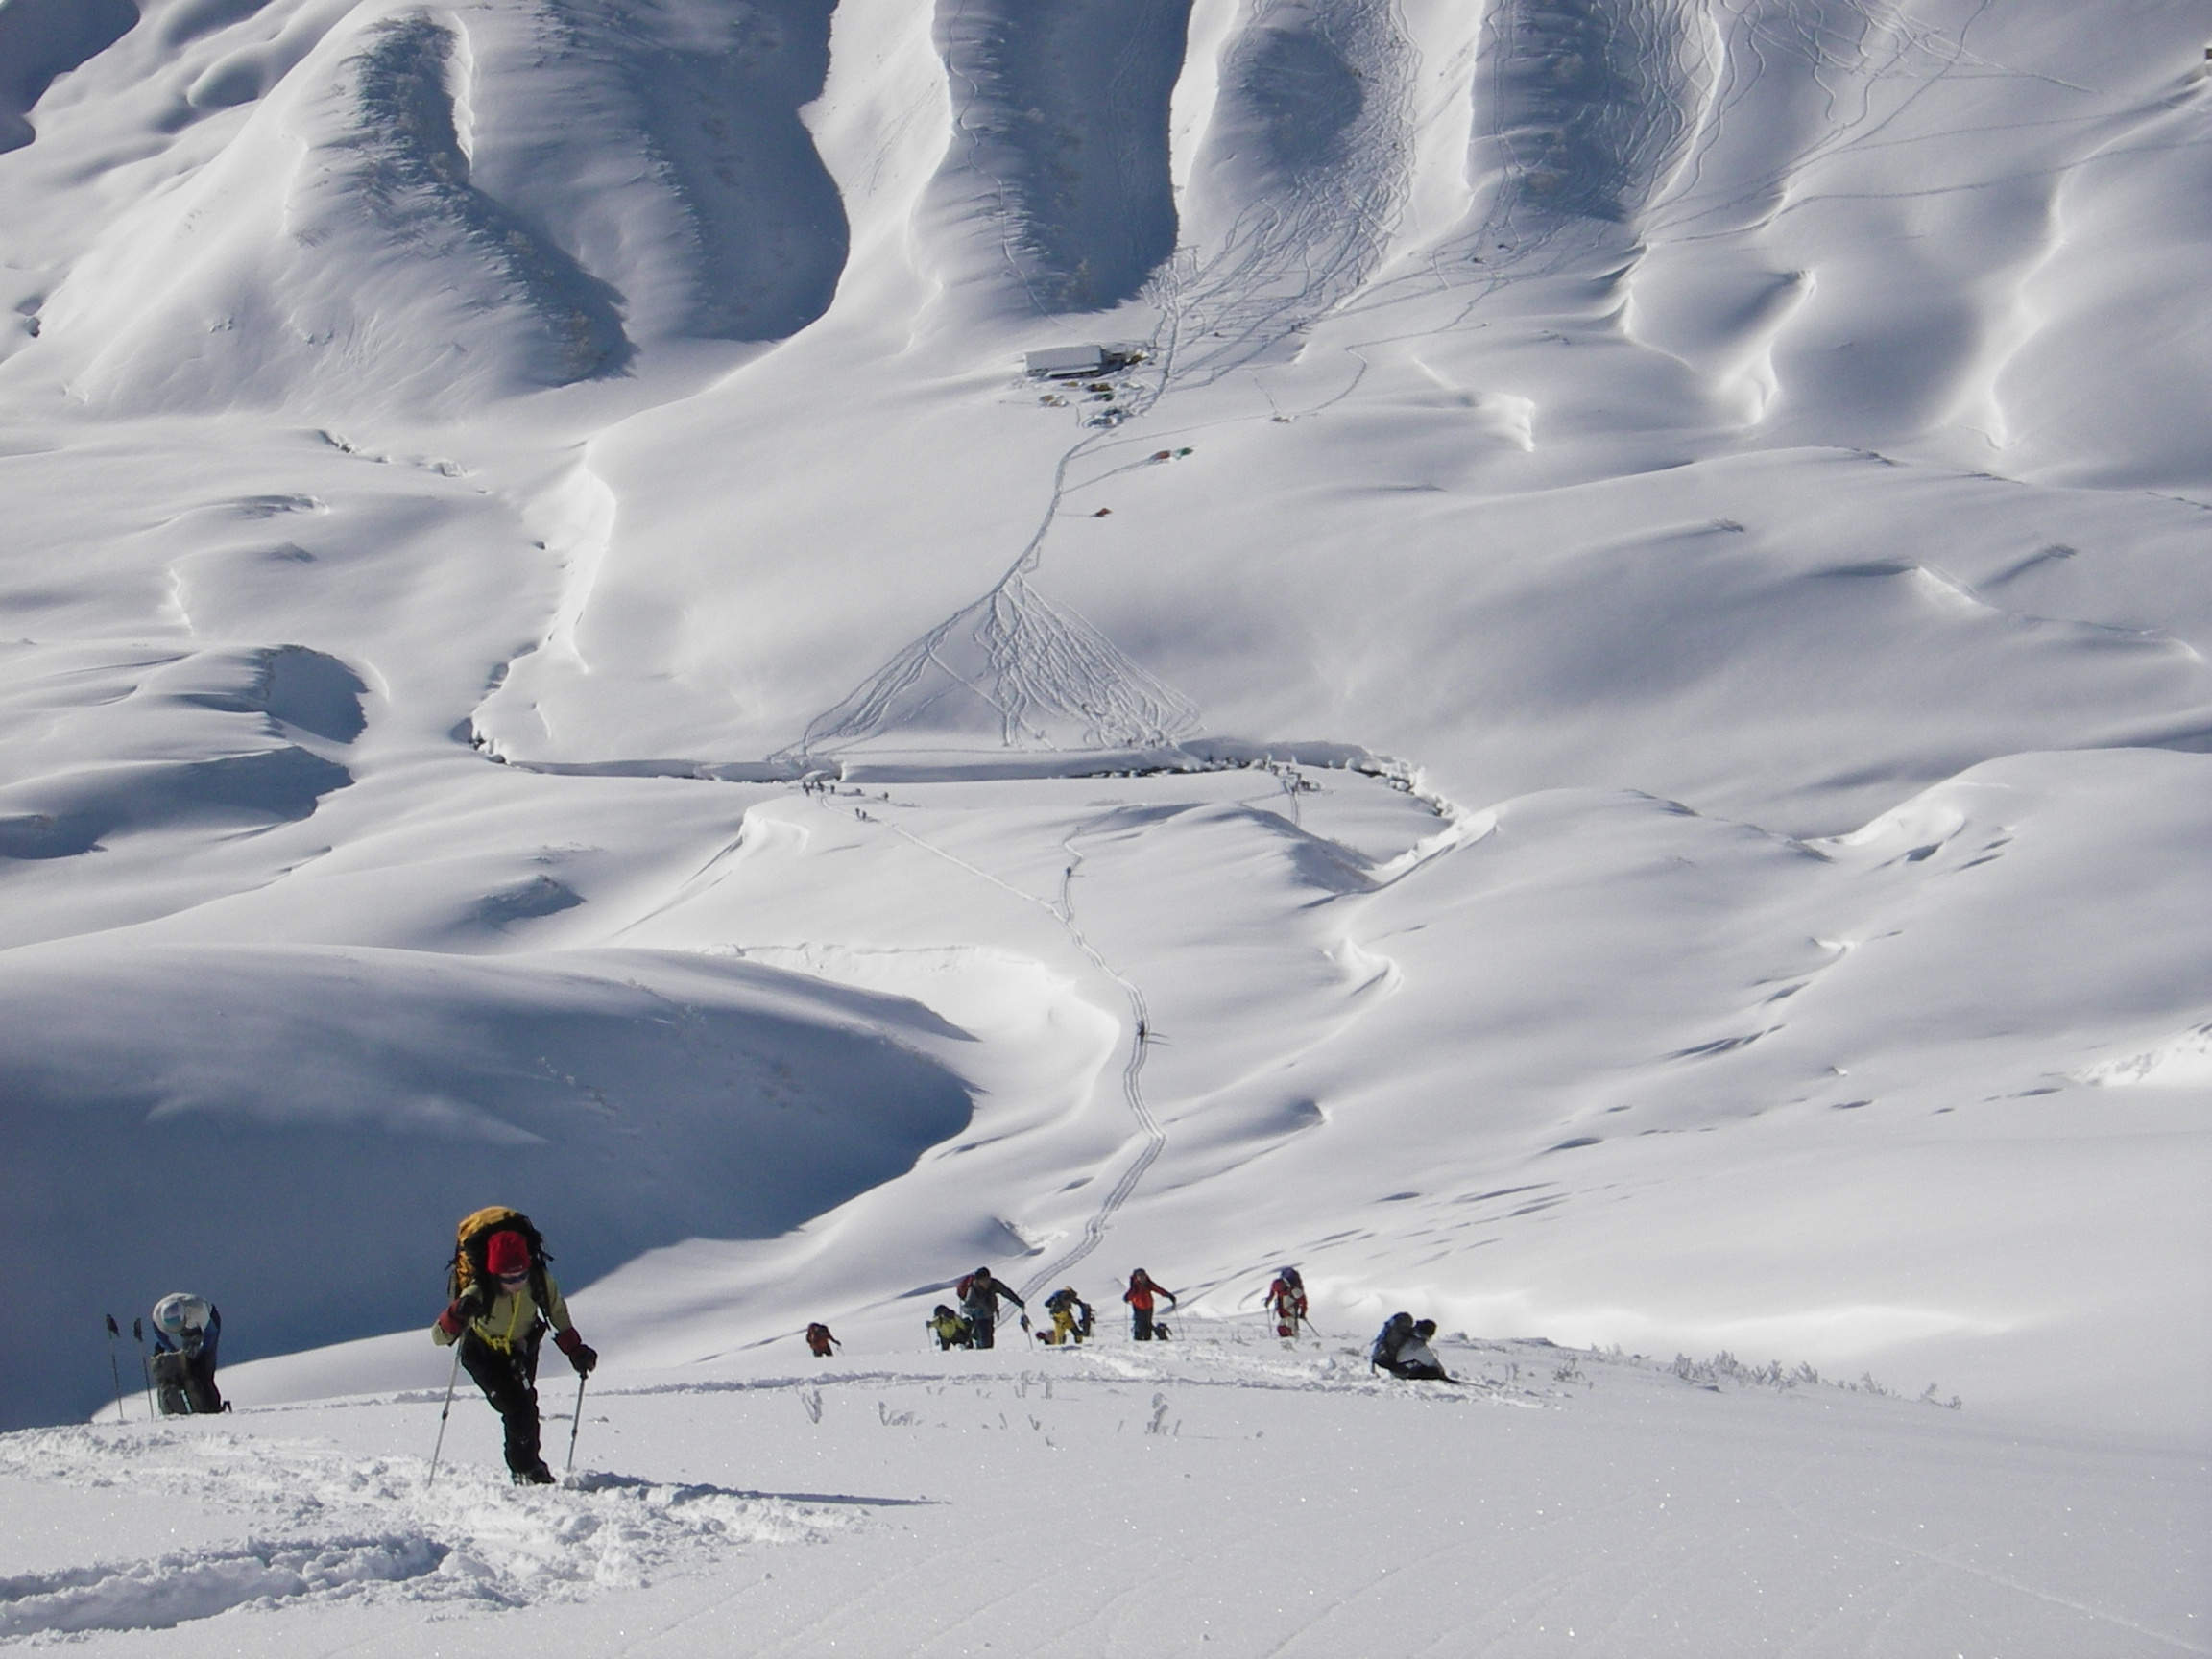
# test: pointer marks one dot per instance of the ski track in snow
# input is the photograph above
(1154, 1138)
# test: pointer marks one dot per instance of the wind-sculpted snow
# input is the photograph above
(723, 112)
(732, 227)
(1061, 106)
(82, 770)
(413, 175)
(339, 245)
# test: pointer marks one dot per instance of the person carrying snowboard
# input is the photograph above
(1142, 1296)
(186, 1332)
(949, 1329)
(1070, 1318)
(504, 1301)
(979, 1295)
(1286, 1301)
(819, 1341)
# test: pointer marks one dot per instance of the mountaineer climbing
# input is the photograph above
(1139, 1296)
(1286, 1301)
(979, 1294)
(1071, 1318)
(503, 1302)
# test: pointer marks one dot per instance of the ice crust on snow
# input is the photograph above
(1603, 730)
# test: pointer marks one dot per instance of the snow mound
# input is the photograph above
(2183, 1062)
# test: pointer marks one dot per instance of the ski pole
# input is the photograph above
(576, 1422)
(444, 1411)
(114, 1365)
(145, 1365)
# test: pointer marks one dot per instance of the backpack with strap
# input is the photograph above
(474, 1238)
(1393, 1337)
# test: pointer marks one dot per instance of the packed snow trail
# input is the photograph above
(1155, 1139)
(1132, 1087)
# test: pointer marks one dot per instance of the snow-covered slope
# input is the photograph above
(1215, 1495)
(1605, 731)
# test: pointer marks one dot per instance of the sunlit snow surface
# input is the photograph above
(1223, 1492)
(1606, 738)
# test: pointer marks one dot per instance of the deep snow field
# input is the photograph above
(1604, 734)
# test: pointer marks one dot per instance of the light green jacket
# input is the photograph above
(511, 1316)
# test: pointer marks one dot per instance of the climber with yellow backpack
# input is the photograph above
(503, 1301)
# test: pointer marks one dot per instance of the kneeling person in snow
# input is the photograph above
(1402, 1349)
(505, 1302)
(949, 1329)
(186, 1331)
(1071, 1318)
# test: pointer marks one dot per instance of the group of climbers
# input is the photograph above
(503, 1301)
(976, 1323)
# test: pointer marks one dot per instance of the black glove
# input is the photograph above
(464, 1308)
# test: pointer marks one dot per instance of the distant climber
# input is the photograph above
(1071, 1318)
(819, 1342)
(1402, 1349)
(949, 1329)
(1286, 1301)
(979, 1295)
(503, 1302)
(187, 1330)
(1142, 1296)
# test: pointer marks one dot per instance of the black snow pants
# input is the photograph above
(509, 1379)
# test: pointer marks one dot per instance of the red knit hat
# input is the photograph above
(507, 1253)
